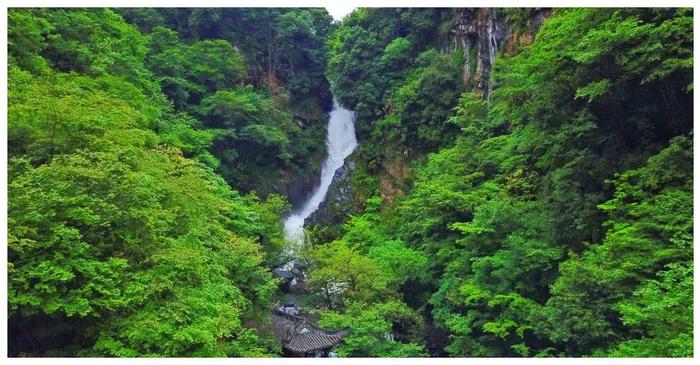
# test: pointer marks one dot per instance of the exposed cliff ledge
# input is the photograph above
(483, 32)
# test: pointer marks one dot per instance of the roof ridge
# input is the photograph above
(296, 339)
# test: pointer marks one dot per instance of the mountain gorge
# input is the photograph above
(522, 184)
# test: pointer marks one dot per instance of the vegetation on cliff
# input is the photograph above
(123, 239)
(537, 201)
(556, 214)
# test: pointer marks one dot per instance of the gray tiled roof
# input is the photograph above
(299, 336)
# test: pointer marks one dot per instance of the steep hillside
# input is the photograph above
(127, 149)
(522, 186)
(543, 168)
(274, 99)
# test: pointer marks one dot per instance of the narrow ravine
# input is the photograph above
(341, 141)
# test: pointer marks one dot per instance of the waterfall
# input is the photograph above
(493, 46)
(341, 142)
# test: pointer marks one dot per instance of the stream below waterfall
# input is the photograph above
(341, 141)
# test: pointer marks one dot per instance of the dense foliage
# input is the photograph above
(557, 215)
(123, 241)
(254, 78)
(551, 216)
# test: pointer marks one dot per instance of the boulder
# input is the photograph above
(298, 286)
(282, 273)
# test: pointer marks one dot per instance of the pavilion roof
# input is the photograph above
(298, 335)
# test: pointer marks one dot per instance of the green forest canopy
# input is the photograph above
(553, 218)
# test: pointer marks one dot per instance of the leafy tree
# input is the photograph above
(650, 227)
(661, 309)
(122, 239)
(342, 268)
(190, 71)
(65, 264)
(372, 327)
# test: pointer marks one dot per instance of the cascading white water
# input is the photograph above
(493, 46)
(341, 141)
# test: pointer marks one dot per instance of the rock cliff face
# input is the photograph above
(483, 32)
(478, 33)
(297, 187)
(339, 199)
